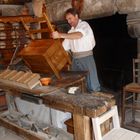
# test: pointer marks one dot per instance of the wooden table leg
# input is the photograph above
(82, 127)
(123, 110)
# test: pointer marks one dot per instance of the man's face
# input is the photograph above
(72, 20)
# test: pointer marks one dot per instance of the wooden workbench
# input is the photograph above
(82, 106)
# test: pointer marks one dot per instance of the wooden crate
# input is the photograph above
(45, 56)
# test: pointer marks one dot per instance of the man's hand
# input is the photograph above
(56, 35)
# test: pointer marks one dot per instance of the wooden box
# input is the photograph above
(45, 56)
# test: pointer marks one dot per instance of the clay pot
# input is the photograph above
(45, 81)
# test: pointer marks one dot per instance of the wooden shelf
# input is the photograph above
(12, 35)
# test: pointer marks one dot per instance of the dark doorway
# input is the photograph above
(114, 51)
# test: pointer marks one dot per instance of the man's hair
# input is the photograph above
(72, 11)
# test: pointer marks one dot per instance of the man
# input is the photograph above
(80, 41)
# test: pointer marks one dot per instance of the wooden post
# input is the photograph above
(82, 127)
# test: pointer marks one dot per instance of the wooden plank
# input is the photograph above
(12, 73)
(5, 72)
(27, 19)
(27, 80)
(21, 77)
(24, 77)
(12, 83)
(34, 83)
(33, 19)
(17, 76)
(48, 23)
(39, 31)
(21, 85)
(18, 130)
(31, 77)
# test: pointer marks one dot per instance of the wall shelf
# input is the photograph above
(12, 35)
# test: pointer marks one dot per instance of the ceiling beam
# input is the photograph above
(17, 2)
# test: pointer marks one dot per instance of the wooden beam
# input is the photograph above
(26, 19)
(18, 130)
(15, 2)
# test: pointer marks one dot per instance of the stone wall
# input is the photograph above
(13, 10)
(10, 10)
(92, 8)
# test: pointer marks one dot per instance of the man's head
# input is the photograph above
(72, 16)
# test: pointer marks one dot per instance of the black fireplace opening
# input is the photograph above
(114, 51)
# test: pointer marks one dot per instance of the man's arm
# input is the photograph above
(75, 35)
